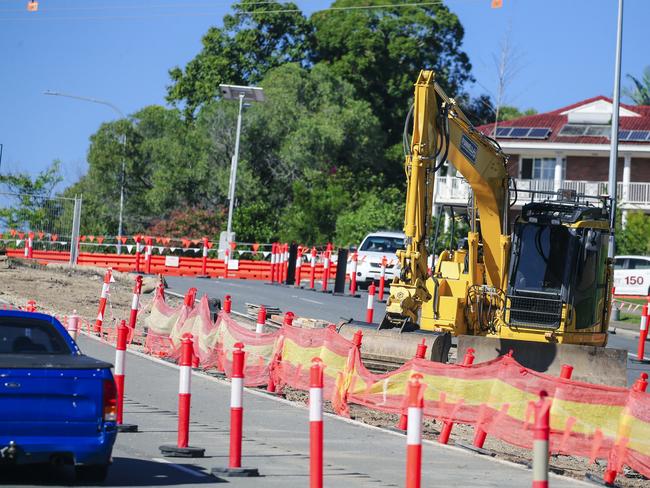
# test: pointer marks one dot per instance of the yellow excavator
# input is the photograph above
(539, 287)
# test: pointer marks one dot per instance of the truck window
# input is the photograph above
(619, 263)
(30, 336)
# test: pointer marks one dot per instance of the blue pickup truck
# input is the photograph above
(56, 405)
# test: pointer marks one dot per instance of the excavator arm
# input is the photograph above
(441, 131)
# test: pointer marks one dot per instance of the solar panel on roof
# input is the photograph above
(623, 135)
(638, 135)
(519, 131)
(539, 133)
(503, 131)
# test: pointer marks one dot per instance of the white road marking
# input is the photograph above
(181, 468)
(311, 301)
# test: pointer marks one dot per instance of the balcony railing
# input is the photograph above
(455, 190)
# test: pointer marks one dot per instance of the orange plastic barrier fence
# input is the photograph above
(246, 269)
(593, 421)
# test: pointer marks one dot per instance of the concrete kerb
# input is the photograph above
(338, 418)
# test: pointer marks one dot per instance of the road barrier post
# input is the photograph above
(261, 320)
(236, 418)
(414, 433)
(447, 425)
(312, 271)
(316, 424)
(147, 254)
(353, 275)
(274, 250)
(326, 268)
(31, 306)
(420, 352)
(135, 302)
(288, 319)
(298, 267)
(370, 309)
(643, 335)
(204, 259)
(29, 245)
(138, 250)
(540, 441)
(382, 278)
(285, 265)
(182, 448)
(73, 325)
(566, 371)
(120, 371)
(227, 304)
(106, 286)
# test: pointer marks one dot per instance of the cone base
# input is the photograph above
(235, 472)
(127, 428)
(639, 361)
(187, 452)
(203, 277)
(597, 480)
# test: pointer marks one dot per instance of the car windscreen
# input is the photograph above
(22, 335)
(382, 244)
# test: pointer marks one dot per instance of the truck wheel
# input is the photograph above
(92, 474)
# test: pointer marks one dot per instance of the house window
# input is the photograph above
(539, 168)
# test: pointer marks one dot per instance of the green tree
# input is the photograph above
(380, 51)
(639, 92)
(376, 211)
(253, 40)
(635, 238)
(33, 207)
(509, 112)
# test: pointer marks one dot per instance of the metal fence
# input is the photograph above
(53, 220)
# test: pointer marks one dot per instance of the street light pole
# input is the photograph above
(122, 141)
(233, 170)
(240, 93)
(613, 152)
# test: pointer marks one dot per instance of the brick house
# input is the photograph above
(569, 148)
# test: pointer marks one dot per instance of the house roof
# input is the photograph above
(631, 117)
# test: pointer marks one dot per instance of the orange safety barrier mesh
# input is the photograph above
(160, 323)
(593, 421)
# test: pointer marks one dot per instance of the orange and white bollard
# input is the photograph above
(106, 286)
(227, 304)
(204, 259)
(298, 267)
(643, 336)
(420, 352)
(370, 309)
(29, 245)
(261, 320)
(31, 306)
(312, 270)
(353, 274)
(236, 418)
(288, 318)
(72, 325)
(326, 269)
(316, 424)
(135, 303)
(566, 371)
(285, 264)
(414, 434)
(148, 251)
(138, 251)
(274, 250)
(182, 448)
(447, 425)
(541, 434)
(382, 278)
(120, 370)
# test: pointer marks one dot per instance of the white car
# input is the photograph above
(632, 275)
(373, 248)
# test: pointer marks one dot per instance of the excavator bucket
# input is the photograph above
(599, 365)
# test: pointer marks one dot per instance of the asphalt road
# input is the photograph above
(315, 304)
(275, 442)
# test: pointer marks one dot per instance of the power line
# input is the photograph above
(247, 12)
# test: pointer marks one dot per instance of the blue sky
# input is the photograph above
(121, 51)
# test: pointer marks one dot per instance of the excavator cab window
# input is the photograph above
(542, 263)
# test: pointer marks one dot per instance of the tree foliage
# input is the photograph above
(639, 92)
(635, 237)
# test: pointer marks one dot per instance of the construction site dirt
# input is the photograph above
(61, 290)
